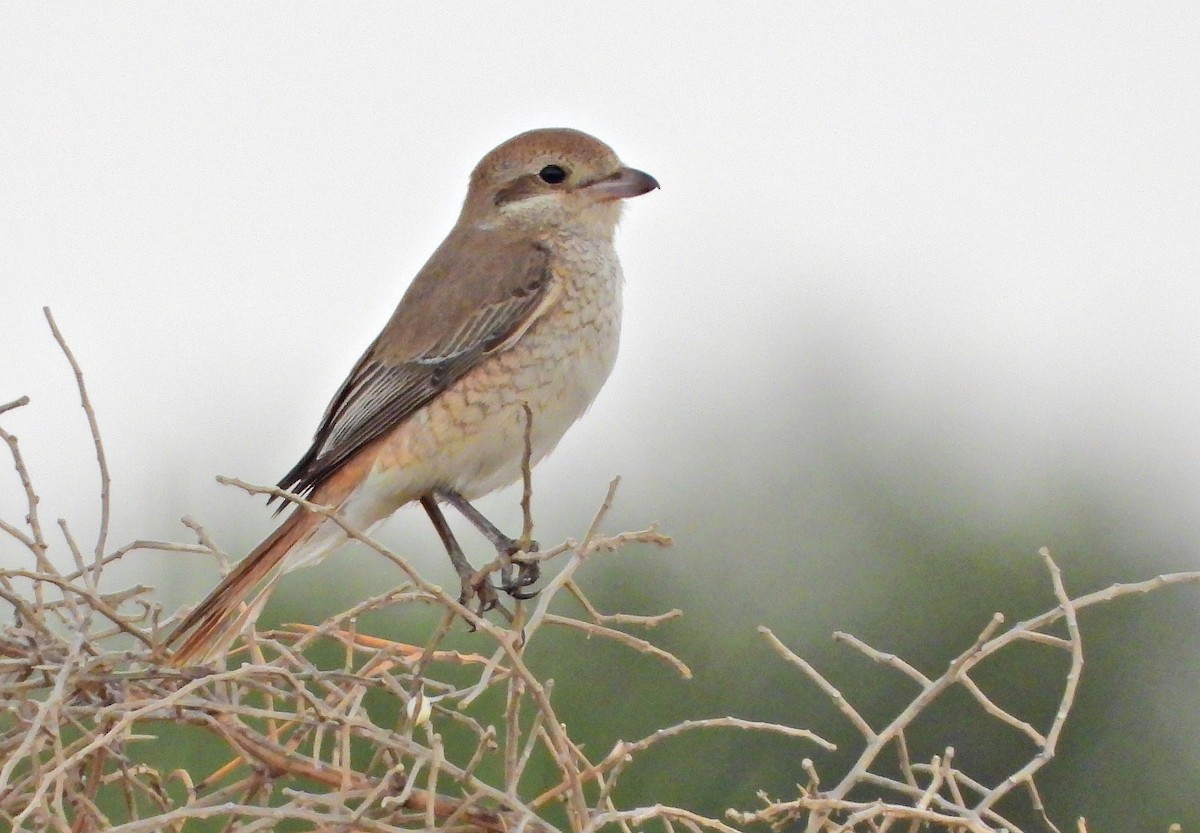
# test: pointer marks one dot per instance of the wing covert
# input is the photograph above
(382, 392)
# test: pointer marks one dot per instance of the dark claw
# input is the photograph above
(528, 573)
(484, 592)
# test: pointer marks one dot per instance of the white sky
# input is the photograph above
(986, 219)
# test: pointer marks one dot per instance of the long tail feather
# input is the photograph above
(211, 627)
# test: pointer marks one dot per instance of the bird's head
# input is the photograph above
(552, 179)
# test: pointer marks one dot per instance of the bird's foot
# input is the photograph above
(528, 570)
(479, 588)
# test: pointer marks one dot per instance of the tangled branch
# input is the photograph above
(89, 705)
(463, 740)
(941, 794)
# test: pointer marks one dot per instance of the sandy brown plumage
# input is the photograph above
(519, 306)
(481, 302)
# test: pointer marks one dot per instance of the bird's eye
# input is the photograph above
(552, 174)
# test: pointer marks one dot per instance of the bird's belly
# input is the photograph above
(472, 437)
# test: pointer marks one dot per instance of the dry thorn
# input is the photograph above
(35, 541)
(94, 428)
(599, 618)
(827, 687)
(20, 402)
(1000, 714)
(882, 657)
(640, 645)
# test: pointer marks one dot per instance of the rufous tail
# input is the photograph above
(214, 624)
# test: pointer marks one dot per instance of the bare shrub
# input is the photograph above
(90, 710)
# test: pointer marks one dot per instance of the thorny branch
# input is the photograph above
(86, 693)
(940, 793)
(83, 696)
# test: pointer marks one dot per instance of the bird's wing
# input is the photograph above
(460, 309)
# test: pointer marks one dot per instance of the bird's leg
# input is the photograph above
(466, 573)
(502, 543)
(528, 572)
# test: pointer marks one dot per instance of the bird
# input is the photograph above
(504, 338)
